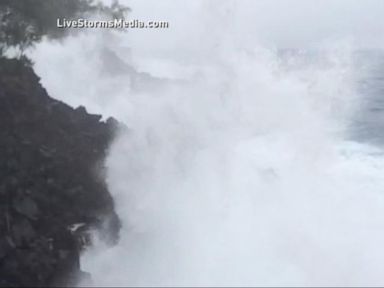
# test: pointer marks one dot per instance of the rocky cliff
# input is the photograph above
(51, 184)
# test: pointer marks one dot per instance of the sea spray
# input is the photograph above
(234, 168)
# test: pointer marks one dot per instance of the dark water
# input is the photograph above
(368, 122)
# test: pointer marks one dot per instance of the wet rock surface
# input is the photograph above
(51, 161)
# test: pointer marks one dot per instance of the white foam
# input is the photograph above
(234, 169)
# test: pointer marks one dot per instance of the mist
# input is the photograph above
(236, 167)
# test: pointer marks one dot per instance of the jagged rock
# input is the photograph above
(27, 207)
(22, 233)
(49, 152)
(5, 246)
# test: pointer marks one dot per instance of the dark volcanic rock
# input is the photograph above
(50, 155)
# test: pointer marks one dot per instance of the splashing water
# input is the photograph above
(234, 168)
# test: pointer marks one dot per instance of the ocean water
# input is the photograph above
(368, 122)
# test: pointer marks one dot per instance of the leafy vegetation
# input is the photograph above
(23, 23)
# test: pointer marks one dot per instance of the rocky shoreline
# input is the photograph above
(51, 185)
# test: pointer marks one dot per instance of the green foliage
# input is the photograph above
(24, 22)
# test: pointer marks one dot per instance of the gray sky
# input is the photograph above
(281, 23)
